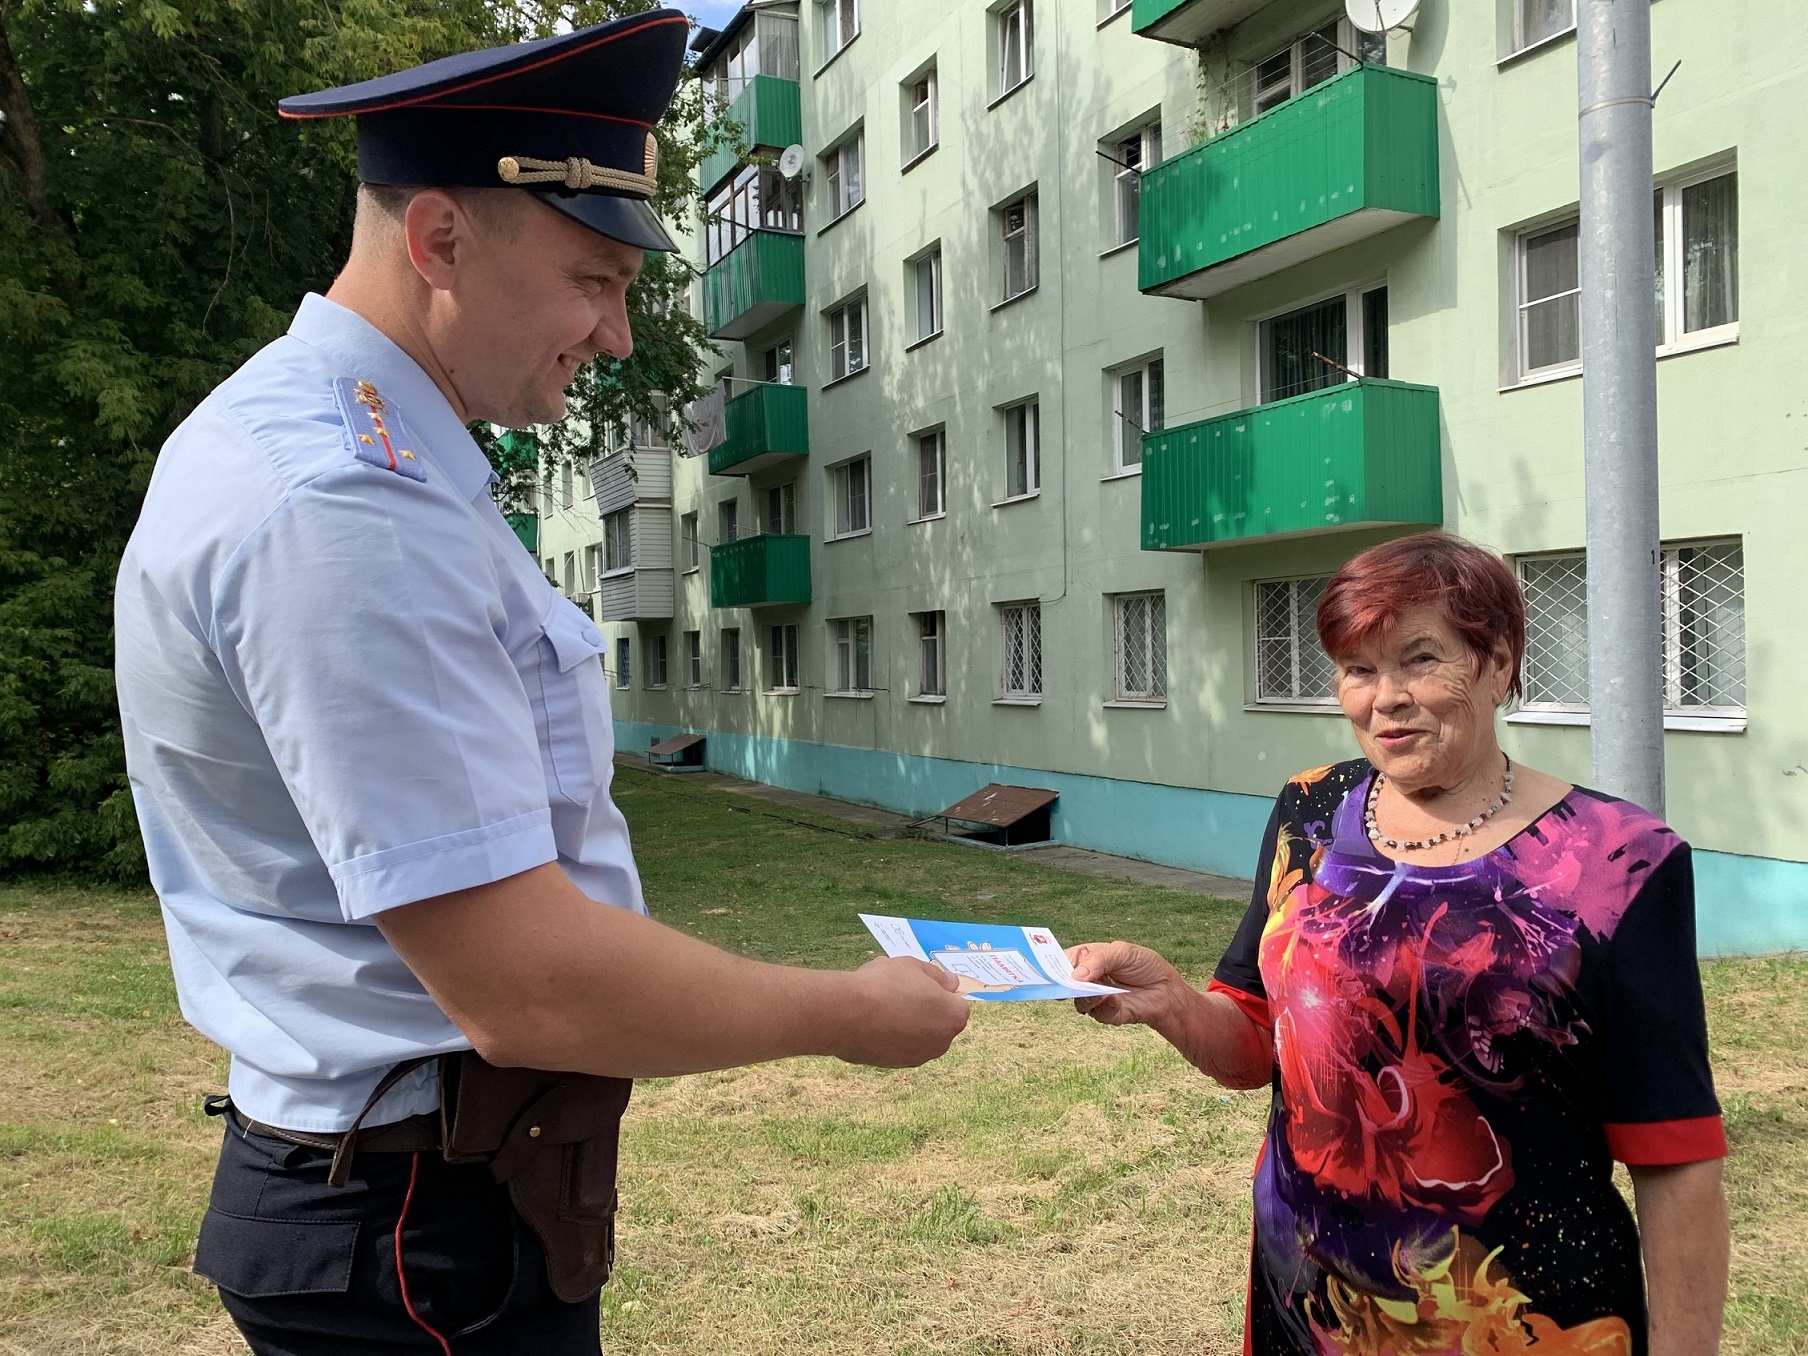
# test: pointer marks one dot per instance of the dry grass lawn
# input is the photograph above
(1050, 1187)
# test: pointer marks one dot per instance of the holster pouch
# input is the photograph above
(551, 1139)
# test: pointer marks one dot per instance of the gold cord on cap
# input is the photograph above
(577, 173)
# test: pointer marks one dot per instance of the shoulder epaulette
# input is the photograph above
(375, 429)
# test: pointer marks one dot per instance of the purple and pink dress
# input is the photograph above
(1461, 1053)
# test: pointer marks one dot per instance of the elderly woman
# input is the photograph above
(1473, 987)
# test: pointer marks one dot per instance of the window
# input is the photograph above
(922, 129)
(1016, 55)
(841, 176)
(932, 474)
(693, 659)
(687, 537)
(1138, 397)
(777, 362)
(926, 274)
(932, 654)
(1022, 650)
(1704, 630)
(1022, 451)
(853, 483)
(847, 340)
(624, 671)
(728, 520)
(853, 654)
(766, 46)
(656, 661)
(1550, 296)
(1308, 61)
(1536, 20)
(1133, 155)
(571, 574)
(757, 198)
(1017, 224)
(731, 659)
(618, 541)
(1698, 244)
(593, 568)
(781, 658)
(839, 24)
(1324, 344)
(1291, 666)
(781, 509)
(1142, 647)
(565, 473)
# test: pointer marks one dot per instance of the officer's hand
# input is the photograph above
(909, 1014)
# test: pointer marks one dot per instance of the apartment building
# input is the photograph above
(1085, 340)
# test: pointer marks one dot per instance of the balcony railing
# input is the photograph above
(1345, 160)
(1188, 22)
(766, 425)
(1362, 454)
(757, 282)
(759, 571)
(769, 113)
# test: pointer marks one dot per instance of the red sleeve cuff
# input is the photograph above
(1659, 1144)
(1252, 1006)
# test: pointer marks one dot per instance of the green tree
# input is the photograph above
(159, 224)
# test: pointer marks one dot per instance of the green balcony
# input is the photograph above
(1346, 160)
(757, 282)
(767, 426)
(527, 528)
(1188, 22)
(769, 113)
(760, 571)
(1361, 454)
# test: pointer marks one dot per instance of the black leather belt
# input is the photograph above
(405, 1136)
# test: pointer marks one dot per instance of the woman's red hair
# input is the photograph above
(1470, 587)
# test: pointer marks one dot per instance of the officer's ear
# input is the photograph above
(438, 233)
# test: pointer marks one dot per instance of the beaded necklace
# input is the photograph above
(1460, 831)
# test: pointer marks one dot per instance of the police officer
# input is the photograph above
(371, 750)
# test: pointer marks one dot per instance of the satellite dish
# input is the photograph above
(791, 159)
(1378, 16)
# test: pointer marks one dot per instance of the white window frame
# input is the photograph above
(1521, 42)
(1127, 429)
(844, 175)
(1133, 155)
(851, 498)
(1141, 619)
(731, 658)
(693, 659)
(932, 475)
(1015, 35)
(849, 354)
(1300, 640)
(852, 644)
(781, 657)
(922, 115)
(785, 496)
(1355, 322)
(593, 568)
(1278, 91)
(658, 660)
(1020, 674)
(932, 654)
(1026, 231)
(618, 543)
(839, 25)
(1022, 447)
(571, 574)
(728, 520)
(926, 271)
(690, 545)
(1523, 302)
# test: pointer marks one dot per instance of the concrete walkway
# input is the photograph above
(1060, 857)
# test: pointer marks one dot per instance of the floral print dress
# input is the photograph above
(1460, 1054)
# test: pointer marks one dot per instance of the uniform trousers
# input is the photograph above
(413, 1257)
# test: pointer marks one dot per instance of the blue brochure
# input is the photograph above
(995, 963)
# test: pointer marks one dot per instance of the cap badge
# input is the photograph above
(574, 172)
(377, 433)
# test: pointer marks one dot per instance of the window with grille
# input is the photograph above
(728, 520)
(1022, 451)
(781, 658)
(693, 659)
(656, 661)
(624, 670)
(853, 484)
(1016, 53)
(1142, 647)
(932, 654)
(1017, 223)
(689, 545)
(731, 659)
(842, 175)
(1534, 21)
(838, 23)
(1139, 399)
(853, 637)
(847, 340)
(1022, 624)
(618, 541)
(1291, 666)
(1133, 155)
(926, 274)
(922, 128)
(932, 474)
(1704, 630)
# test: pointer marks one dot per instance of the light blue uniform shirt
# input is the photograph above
(344, 688)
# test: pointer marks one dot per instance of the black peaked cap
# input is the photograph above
(568, 118)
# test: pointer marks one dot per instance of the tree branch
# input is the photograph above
(20, 145)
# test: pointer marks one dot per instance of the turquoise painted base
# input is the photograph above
(1744, 905)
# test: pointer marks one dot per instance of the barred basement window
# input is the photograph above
(1704, 630)
(1291, 666)
(1022, 649)
(853, 654)
(1142, 647)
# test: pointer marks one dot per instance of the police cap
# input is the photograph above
(568, 118)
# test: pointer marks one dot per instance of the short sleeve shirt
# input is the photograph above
(1460, 1054)
(345, 687)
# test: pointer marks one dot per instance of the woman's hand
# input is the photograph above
(1156, 990)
